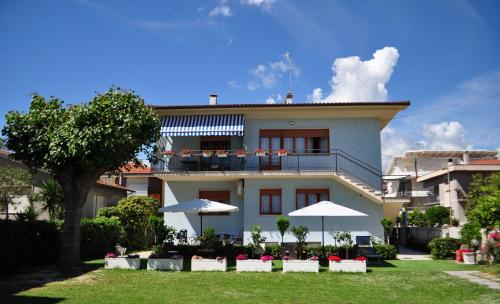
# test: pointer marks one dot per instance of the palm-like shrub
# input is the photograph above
(283, 223)
(52, 198)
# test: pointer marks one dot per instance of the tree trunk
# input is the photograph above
(75, 195)
(6, 202)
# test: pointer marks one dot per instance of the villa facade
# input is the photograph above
(269, 160)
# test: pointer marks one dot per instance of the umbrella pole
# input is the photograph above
(323, 231)
(201, 223)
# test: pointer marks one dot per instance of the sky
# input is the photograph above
(443, 56)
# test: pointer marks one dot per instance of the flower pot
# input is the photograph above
(122, 263)
(300, 266)
(222, 155)
(165, 264)
(254, 265)
(468, 258)
(241, 155)
(185, 155)
(347, 266)
(260, 154)
(209, 265)
(207, 154)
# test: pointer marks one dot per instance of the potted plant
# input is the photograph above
(221, 153)
(131, 261)
(161, 260)
(283, 223)
(282, 152)
(300, 232)
(199, 263)
(260, 152)
(186, 153)
(241, 153)
(336, 264)
(206, 153)
(168, 153)
(263, 264)
(309, 265)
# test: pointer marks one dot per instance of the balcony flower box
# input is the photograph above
(347, 265)
(282, 152)
(206, 153)
(260, 152)
(200, 264)
(300, 266)
(241, 153)
(122, 263)
(168, 153)
(254, 265)
(165, 264)
(221, 153)
(186, 153)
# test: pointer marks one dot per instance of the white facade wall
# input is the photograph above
(138, 184)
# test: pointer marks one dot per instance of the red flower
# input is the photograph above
(266, 258)
(334, 258)
(361, 258)
(241, 257)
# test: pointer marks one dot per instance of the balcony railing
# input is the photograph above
(334, 160)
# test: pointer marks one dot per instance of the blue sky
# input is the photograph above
(443, 56)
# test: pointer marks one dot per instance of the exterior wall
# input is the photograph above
(100, 196)
(339, 194)
(359, 137)
(138, 184)
(177, 192)
(178, 143)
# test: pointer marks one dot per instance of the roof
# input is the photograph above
(112, 185)
(132, 168)
(473, 168)
(282, 105)
(486, 162)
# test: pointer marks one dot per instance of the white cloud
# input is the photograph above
(444, 136)
(221, 10)
(266, 76)
(274, 99)
(267, 4)
(316, 96)
(234, 84)
(393, 143)
(358, 80)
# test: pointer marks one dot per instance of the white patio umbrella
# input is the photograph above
(325, 208)
(199, 206)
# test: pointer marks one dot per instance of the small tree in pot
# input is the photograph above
(283, 223)
(300, 232)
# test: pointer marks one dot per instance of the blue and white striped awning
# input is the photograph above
(203, 125)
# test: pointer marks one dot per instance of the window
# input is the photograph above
(214, 143)
(307, 197)
(270, 201)
(216, 196)
(296, 140)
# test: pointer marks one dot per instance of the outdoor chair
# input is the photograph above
(364, 247)
(182, 236)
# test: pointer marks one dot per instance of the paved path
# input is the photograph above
(477, 277)
(410, 254)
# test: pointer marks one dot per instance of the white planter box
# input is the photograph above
(300, 266)
(468, 258)
(254, 265)
(122, 263)
(165, 264)
(209, 265)
(348, 266)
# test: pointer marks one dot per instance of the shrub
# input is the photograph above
(161, 232)
(437, 215)
(470, 231)
(274, 250)
(208, 237)
(241, 249)
(417, 218)
(99, 236)
(257, 237)
(28, 244)
(444, 248)
(387, 251)
(109, 212)
(283, 223)
(300, 232)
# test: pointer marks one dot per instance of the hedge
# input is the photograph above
(444, 248)
(387, 251)
(99, 236)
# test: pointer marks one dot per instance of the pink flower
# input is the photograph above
(285, 258)
(314, 258)
(241, 257)
(361, 258)
(110, 255)
(266, 258)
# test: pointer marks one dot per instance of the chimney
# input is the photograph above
(289, 98)
(450, 161)
(466, 158)
(213, 99)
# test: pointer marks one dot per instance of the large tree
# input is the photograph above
(79, 143)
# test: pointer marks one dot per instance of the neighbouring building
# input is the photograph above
(424, 175)
(103, 194)
(330, 151)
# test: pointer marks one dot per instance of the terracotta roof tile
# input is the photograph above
(486, 162)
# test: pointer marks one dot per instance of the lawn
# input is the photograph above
(394, 282)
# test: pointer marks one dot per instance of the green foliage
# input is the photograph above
(300, 233)
(470, 231)
(274, 250)
(156, 225)
(387, 251)
(257, 237)
(345, 238)
(444, 248)
(109, 212)
(30, 213)
(283, 223)
(27, 244)
(437, 215)
(417, 218)
(13, 182)
(52, 198)
(484, 199)
(387, 224)
(99, 236)
(208, 237)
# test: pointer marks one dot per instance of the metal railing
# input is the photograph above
(316, 161)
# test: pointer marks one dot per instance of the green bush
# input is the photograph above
(417, 218)
(27, 244)
(437, 215)
(444, 248)
(274, 250)
(470, 231)
(99, 236)
(387, 251)
(109, 212)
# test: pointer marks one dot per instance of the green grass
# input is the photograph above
(395, 282)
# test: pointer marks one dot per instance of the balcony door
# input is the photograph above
(271, 161)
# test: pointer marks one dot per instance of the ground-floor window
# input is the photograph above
(216, 196)
(270, 201)
(307, 197)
